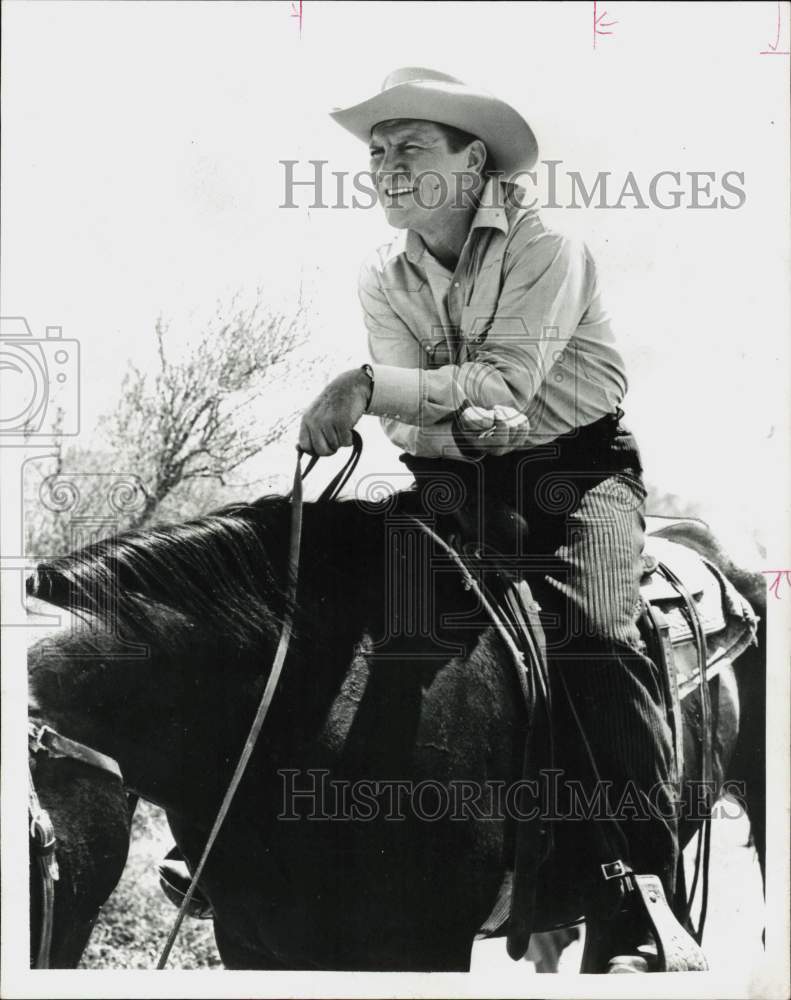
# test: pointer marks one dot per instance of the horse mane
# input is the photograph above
(225, 570)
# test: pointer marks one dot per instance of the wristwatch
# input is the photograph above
(370, 373)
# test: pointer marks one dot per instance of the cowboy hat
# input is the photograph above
(414, 92)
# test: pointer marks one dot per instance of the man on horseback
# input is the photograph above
(494, 362)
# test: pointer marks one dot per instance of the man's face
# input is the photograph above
(418, 179)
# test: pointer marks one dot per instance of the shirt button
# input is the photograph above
(457, 284)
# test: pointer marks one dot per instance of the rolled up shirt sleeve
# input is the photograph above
(548, 283)
(395, 350)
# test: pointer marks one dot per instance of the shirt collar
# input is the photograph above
(491, 210)
(490, 215)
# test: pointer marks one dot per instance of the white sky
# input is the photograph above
(140, 173)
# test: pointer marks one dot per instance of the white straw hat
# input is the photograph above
(425, 94)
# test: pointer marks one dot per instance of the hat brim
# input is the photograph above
(509, 139)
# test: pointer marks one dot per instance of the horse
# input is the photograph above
(324, 861)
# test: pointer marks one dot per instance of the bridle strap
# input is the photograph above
(42, 834)
(44, 739)
(329, 493)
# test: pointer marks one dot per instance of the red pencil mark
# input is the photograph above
(772, 49)
(296, 11)
(599, 23)
(780, 575)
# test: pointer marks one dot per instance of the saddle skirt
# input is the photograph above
(727, 620)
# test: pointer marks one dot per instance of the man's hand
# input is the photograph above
(327, 423)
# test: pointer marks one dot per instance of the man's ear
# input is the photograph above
(476, 156)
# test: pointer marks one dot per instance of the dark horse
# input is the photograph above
(172, 633)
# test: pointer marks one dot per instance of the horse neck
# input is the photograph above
(169, 715)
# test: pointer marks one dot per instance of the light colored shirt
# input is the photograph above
(511, 350)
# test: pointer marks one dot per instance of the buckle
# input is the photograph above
(38, 734)
(609, 897)
(614, 869)
(42, 832)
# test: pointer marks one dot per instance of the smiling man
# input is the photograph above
(493, 359)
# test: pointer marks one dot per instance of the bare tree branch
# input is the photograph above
(192, 418)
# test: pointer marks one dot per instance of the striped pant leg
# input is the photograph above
(592, 590)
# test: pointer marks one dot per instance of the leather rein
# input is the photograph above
(43, 739)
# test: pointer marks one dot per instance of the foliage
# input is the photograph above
(178, 434)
